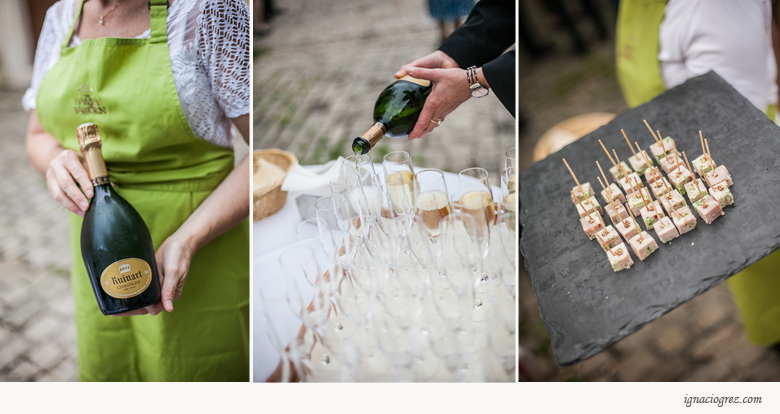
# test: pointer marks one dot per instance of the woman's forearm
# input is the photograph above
(227, 206)
(42, 148)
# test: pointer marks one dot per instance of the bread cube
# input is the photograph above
(638, 162)
(651, 214)
(619, 258)
(684, 220)
(627, 229)
(643, 245)
(708, 209)
(720, 175)
(658, 151)
(665, 230)
(722, 193)
(671, 204)
(616, 217)
(578, 194)
(695, 190)
(608, 237)
(591, 224)
(616, 174)
(680, 178)
(615, 194)
(702, 165)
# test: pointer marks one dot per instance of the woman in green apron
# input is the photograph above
(183, 184)
(639, 71)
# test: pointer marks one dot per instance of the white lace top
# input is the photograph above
(208, 42)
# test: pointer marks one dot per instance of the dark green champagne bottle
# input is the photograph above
(116, 245)
(395, 112)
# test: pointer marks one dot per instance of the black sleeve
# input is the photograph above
(481, 40)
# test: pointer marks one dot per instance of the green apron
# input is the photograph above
(158, 165)
(756, 288)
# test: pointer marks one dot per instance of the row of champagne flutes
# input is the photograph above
(394, 280)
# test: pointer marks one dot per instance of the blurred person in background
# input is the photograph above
(449, 11)
(661, 44)
(165, 82)
(479, 44)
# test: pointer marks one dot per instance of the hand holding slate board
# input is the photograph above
(587, 307)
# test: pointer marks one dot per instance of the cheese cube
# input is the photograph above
(592, 224)
(638, 162)
(665, 230)
(658, 151)
(627, 229)
(720, 175)
(722, 193)
(680, 178)
(608, 237)
(615, 194)
(643, 245)
(619, 258)
(684, 220)
(651, 214)
(616, 174)
(671, 204)
(578, 194)
(708, 209)
(702, 165)
(616, 217)
(695, 190)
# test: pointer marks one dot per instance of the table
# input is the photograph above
(271, 236)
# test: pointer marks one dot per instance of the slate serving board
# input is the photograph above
(587, 307)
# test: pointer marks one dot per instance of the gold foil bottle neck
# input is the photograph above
(90, 145)
(422, 82)
(374, 134)
(88, 136)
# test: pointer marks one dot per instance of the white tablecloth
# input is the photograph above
(271, 236)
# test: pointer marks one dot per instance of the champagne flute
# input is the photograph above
(510, 158)
(509, 195)
(399, 177)
(360, 164)
(430, 207)
(476, 198)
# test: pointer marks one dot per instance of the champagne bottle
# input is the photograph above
(395, 112)
(116, 245)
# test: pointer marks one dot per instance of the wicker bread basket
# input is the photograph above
(266, 202)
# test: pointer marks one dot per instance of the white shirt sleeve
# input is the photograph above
(55, 27)
(223, 49)
(733, 38)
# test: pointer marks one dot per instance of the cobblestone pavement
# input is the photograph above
(702, 340)
(37, 332)
(317, 75)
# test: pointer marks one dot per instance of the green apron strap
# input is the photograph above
(66, 42)
(159, 16)
(637, 48)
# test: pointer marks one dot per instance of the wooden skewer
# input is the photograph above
(605, 244)
(641, 194)
(620, 167)
(575, 180)
(701, 138)
(663, 146)
(608, 155)
(607, 190)
(629, 143)
(590, 219)
(605, 177)
(657, 141)
(641, 239)
(689, 167)
(709, 155)
(668, 190)
(677, 159)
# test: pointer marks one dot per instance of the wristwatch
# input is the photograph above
(477, 90)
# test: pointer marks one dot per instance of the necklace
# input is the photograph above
(109, 12)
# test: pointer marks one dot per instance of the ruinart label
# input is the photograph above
(126, 278)
(422, 82)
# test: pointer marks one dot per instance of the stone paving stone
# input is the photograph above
(717, 344)
(314, 93)
(47, 356)
(68, 370)
(43, 328)
(12, 350)
(24, 371)
(715, 370)
(637, 366)
(672, 341)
